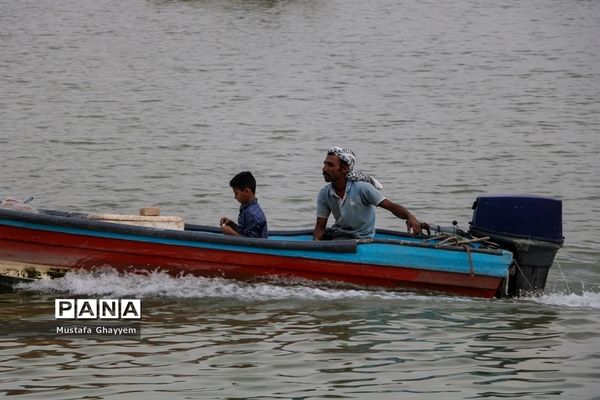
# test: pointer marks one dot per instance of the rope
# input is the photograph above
(522, 273)
(474, 240)
(563, 276)
(471, 267)
(506, 282)
(456, 240)
(459, 241)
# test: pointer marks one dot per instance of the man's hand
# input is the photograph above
(412, 224)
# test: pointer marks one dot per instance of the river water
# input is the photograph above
(109, 106)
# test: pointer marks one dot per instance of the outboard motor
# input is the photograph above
(528, 226)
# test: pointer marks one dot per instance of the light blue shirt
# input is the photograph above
(355, 212)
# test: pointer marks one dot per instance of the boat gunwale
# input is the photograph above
(400, 242)
(210, 234)
(79, 220)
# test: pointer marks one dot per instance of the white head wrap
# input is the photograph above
(347, 156)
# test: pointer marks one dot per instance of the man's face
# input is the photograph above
(333, 168)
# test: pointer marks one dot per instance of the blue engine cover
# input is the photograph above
(525, 216)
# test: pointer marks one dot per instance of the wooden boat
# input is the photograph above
(67, 241)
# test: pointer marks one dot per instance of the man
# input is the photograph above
(351, 196)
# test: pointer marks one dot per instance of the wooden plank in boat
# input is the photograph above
(162, 222)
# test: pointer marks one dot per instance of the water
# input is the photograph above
(111, 106)
(210, 338)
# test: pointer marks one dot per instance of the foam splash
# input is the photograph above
(586, 299)
(110, 283)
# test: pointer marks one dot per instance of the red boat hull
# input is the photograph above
(86, 252)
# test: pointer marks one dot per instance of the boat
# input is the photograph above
(507, 251)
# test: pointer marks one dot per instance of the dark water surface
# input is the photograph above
(110, 106)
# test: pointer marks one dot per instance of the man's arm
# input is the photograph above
(320, 226)
(411, 222)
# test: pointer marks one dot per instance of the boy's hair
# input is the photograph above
(243, 180)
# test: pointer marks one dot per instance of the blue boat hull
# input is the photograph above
(391, 259)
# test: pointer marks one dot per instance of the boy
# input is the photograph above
(251, 221)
